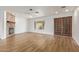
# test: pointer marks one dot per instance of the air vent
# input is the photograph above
(30, 9)
(36, 12)
(63, 6)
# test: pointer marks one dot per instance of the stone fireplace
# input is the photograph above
(10, 28)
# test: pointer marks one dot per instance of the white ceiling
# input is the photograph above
(43, 10)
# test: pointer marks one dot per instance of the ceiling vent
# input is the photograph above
(63, 6)
(36, 12)
(30, 9)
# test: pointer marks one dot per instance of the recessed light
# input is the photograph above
(30, 16)
(56, 12)
(66, 10)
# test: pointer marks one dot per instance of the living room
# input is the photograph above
(36, 26)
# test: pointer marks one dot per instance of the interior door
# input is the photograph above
(67, 30)
(57, 26)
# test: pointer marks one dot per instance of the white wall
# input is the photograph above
(5, 25)
(48, 29)
(21, 23)
(75, 24)
(49, 23)
(2, 25)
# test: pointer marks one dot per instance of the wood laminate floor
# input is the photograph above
(33, 42)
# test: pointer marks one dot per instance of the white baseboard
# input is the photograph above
(76, 40)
